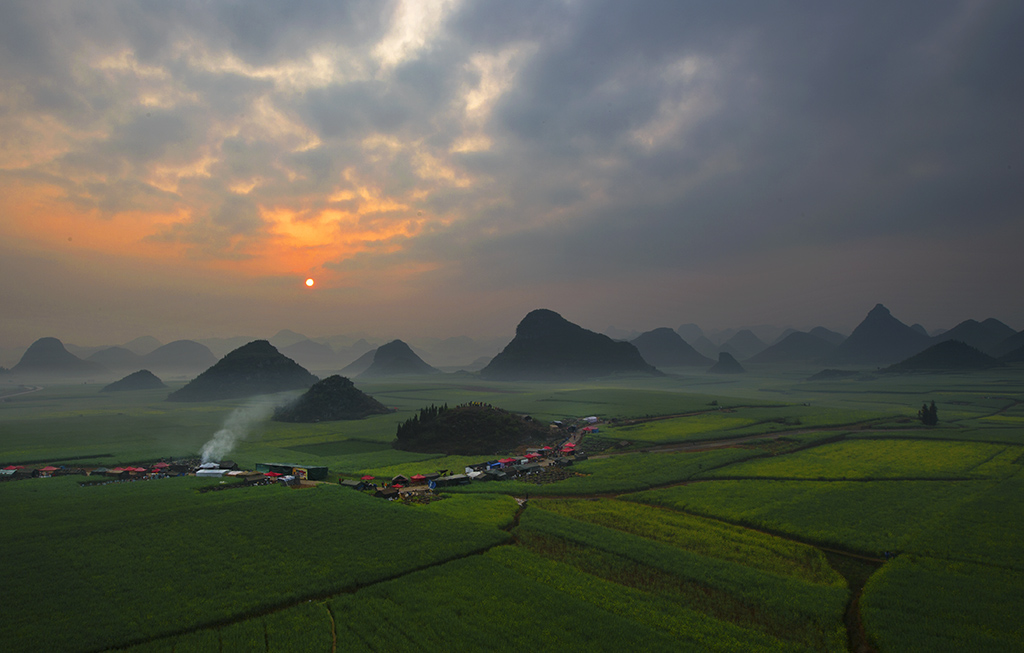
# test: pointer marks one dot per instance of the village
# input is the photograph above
(535, 464)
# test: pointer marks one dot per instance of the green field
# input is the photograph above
(746, 547)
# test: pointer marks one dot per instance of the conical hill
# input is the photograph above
(141, 380)
(726, 364)
(549, 347)
(253, 369)
(880, 339)
(664, 347)
(396, 359)
(332, 399)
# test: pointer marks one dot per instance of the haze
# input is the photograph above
(441, 168)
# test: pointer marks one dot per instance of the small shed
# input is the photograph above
(211, 473)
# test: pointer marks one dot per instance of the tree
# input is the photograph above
(929, 415)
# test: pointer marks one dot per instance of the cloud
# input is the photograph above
(493, 147)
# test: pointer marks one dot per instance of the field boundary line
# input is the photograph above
(322, 596)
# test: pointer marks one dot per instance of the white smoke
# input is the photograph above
(239, 424)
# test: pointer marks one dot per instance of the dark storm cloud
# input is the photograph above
(831, 122)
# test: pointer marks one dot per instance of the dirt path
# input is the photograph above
(31, 389)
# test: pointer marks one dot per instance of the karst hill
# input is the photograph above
(947, 356)
(797, 347)
(396, 359)
(727, 364)
(141, 380)
(549, 347)
(880, 339)
(47, 357)
(253, 369)
(332, 399)
(664, 347)
(180, 357)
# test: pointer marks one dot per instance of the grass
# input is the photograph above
(705, 537)
(883, 459)
(781, 605)
(872, 517)
(122, 554)
(930, 605)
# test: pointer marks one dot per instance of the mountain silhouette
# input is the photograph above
(726, 364)
(743, 344)
(253, 369)
(311, 354)
(48, 357)
(142, 345)
(332, 399)
(117, 358)
(797, 347)
(986, 336)
(1015, 356)
(946, 356)
(663, 347)
(286, 338)
(547, 346)
(827, 335)
(359, 365)
(180, 356)
(141, 380)
(880, 339)
(396, 359)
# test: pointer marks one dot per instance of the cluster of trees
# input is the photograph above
(929, 415)
(415, 425)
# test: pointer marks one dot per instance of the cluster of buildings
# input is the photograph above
(535, 461)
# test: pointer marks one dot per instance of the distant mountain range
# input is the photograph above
(878, 341)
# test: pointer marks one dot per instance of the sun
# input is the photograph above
(309, 283)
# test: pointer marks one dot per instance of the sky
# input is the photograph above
(442, 167)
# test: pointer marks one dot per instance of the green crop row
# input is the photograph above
(870, 517)
(882, 459)
(702, 536)
(986, 528)
(813, 613)
(138, 560)
(919, 604)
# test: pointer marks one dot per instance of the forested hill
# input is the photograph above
(469, 429)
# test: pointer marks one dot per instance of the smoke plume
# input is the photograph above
(239, 424)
